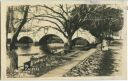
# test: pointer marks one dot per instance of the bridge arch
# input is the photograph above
(47, 38)
(80, 41)
(51, 31)
(45, 31)
(42, 32)
(50, 39)
(85, 35)
(25, 40)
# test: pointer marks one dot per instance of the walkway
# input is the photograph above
(117, 56)
(60, 71)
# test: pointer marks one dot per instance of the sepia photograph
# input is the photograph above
(64, 40)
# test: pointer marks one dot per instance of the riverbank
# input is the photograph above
(93, 62)
(101, 63)
(43, 65)
(76, 59)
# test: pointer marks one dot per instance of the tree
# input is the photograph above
(63, 18)
(101, 20)
(98, 19)
(10, 28)
(59, 15)
(23, 21)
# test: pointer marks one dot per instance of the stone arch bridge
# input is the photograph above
(36, 36)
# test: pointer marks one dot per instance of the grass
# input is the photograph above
(98, 64)
(106, 67)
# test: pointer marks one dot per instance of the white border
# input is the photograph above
(3, 40)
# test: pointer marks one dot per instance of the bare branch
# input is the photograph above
(62, 8)
(58, 27)
(55, 12)
(48, 27)
(50, 22)
(51, 16)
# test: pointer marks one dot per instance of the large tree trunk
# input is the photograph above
(14, 38)
(12, 61)
(69, 37)
(69, 43)
(13, 56)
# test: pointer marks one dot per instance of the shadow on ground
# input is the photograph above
(107, 65)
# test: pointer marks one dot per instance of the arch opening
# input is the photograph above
(51, 43)
(25, 40)
(80, 43)
(85, 35)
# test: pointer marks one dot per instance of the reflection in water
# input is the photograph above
(26, 52)
(31, 49)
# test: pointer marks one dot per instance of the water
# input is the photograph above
(35, 50)
(24, 50)
(25, 53)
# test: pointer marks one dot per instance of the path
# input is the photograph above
(111, 62)
(117, 56)
(60, 71)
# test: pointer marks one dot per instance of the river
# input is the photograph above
(25, 53)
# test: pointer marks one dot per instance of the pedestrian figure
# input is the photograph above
(105, 45)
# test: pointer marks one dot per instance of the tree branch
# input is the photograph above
(58, 27)
(49, 27)
(55, 12)
(51, 17)
(62, 8)
(14, 38)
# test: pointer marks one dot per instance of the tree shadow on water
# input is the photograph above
(106, 66)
